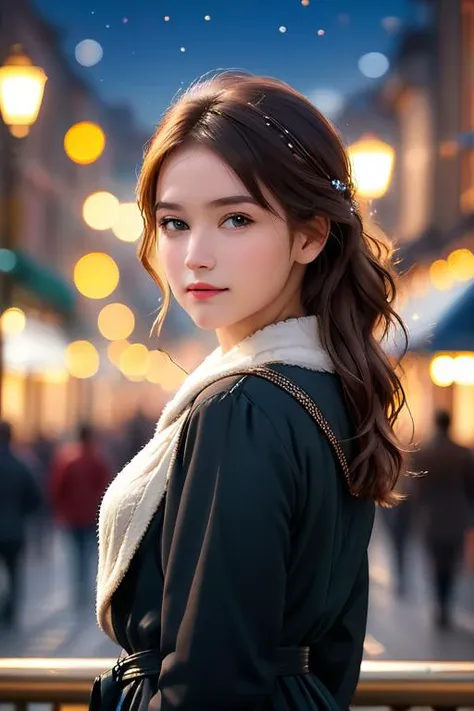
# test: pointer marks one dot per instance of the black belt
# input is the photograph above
(142, 665)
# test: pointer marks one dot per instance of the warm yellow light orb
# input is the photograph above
(96, 275)
(21, 92)
(128, 226)
(157, 364)
(372, 165)
(440, 275)
(100, 210)
(172, 378)
(84, 142)
(116, 322)
(134, 360)
(464, 369)
(82, 359)
(13, 321)
(442, 370)
(461, 264)
(55, 376)
(115, 350)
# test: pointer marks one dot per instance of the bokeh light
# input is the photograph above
(442, 370)
(374, 65)
(8, 260)
(391, 24)
(461, 264)
(134, 361)
(101, 210)
(13, 321)
(82, 359)
(88, 52)
(116, 322)
(440, 275)
(372, 163)
(128, 226)
(464, 369)
(96, 275)
(282, 29)
(157, 365)
(54, 376)
(163, 372)
(328, 101)
(115, 350)
(84, 142)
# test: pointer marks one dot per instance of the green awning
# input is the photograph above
(42, 282)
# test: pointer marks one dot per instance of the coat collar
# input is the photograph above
(295, 341)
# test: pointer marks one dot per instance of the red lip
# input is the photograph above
(202, 286)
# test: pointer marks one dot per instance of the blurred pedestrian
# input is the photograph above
(19, 499)
(397, 521)
(79, 478)
(443, 500)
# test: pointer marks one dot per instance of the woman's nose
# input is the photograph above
(199, 253)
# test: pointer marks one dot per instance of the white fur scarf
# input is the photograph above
(135, 494)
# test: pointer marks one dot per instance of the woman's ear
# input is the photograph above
(309, 244)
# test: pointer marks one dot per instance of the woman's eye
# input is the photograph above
(171, 224)
(237, 220)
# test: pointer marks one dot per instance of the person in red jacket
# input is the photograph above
(79, 479)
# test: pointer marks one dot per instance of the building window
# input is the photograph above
(467, 103)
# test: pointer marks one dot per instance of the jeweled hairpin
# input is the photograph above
(339, 185)
(342, 188)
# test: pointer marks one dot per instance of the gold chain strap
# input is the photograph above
(289, 386)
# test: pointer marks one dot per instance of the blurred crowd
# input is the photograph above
(57, 484)
(437, 508)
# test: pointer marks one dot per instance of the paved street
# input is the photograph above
(397, 629)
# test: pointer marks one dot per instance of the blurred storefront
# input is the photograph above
(431, 93)
(424, 109)
(58, 366)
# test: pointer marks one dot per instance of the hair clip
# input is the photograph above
(339, 185)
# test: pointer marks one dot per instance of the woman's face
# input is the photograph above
(230, 263)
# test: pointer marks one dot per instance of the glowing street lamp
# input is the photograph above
(21, 92)
(372, 165)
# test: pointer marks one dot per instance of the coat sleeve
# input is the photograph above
(226, 543)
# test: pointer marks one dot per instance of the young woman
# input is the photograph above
(233, 548)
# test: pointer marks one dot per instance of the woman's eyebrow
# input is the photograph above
(219, 202)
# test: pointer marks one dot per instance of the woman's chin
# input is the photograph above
(208, 321)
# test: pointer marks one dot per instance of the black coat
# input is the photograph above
(259, 545)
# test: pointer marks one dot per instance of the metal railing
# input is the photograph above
(397, 685)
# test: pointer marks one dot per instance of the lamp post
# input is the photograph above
(372, 165)
(21, 94)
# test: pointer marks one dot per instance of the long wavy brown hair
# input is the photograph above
(271, 136)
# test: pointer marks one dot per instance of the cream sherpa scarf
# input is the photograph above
(133, 497)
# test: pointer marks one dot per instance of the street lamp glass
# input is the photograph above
(21, 92)
(372, 165)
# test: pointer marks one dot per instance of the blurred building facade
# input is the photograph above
(39, 396)
(424, 108)
(431, 92)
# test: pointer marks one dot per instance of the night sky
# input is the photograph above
(143, 63)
